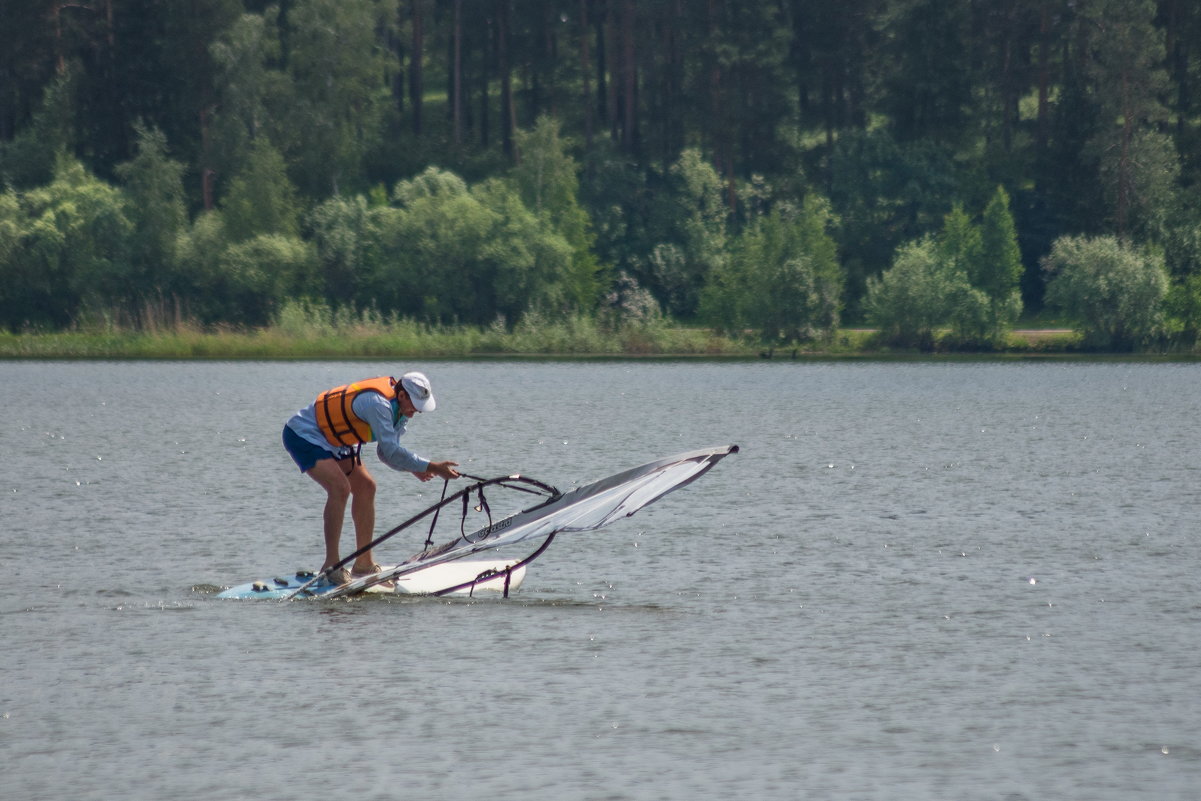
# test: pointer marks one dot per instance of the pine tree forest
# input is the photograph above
(774, 168)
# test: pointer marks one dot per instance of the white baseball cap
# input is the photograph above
(420, 393)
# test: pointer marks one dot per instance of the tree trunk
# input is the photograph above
(602, 68)
(396, 45)
(585, 68)
(1044, 76)
(416, 76)
(506, 76)
(629, 75)
(1124, 167)
(486, 66)
(612, 96)
(456, 71)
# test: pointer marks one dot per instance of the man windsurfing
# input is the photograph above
(325, 439)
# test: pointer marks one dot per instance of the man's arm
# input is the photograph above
(444, 470)
(377, 412)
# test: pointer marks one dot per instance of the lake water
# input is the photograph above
(916, 581)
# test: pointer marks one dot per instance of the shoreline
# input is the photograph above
(668, 344)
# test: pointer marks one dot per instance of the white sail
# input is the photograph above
(585, 508)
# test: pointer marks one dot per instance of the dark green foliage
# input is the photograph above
(782, 279)
(261, 198)
(929, 80)
(551, 157)
(886, 193)
(153, 184)
(63, 250)
(347, 234)
(547, 180)
(450, 253)
(997, 269)
(1184, 310)
(966, 278)
(28, 158)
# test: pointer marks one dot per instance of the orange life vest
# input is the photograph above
(336, 418)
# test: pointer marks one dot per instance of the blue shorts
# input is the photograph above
(303, 452)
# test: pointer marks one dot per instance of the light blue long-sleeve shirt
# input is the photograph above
(387, 427)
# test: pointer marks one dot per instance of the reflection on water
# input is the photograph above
(915, 581)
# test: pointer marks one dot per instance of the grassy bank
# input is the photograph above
(309, 334)
(370, 340)
(413, 341)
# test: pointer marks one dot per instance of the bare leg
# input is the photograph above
(329, 475)
(362, 512)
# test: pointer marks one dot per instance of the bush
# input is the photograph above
(1184, 310)
(1112, 290)
(63, 250)
(917, 295)
(262, 272)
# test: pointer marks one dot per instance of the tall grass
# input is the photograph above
(308, 330)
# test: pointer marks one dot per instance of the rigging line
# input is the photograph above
(481, 506)
(541, 488)
(429, 538)
(463, 493)
(522, 563)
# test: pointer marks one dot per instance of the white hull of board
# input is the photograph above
(491, 575)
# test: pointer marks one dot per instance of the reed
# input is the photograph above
(306, 330)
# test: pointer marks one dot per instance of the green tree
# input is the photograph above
(1183, 306)
(1182, 242)
(1068, 196)
(1141, 185)
(431, 269)
(1127, 54)
(959, 248)
(1113, 291)
(693, 224)
(630, 211)
(997, 268)
(28, 42)
(966, 277)
(261, 198)
(28, 159)
(200, 282)
(832, 50)
(738, 84)
(73, 254)
(885, 193)
(459, 254)
(782, 278)
(960, 244)
(259, 274)
(339, 66)
(547, 179)
(153, 183)
(253, 93)
(243, 281)
(347, 234)
(13, 283)
(930, 84)
(531, 261)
